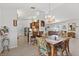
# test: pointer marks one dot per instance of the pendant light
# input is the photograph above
(37, 13)
(34, 18)
(49, 17)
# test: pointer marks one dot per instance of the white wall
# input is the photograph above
(0, 18)
(6, 18)
(21, 24)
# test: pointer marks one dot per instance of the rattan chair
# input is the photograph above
(42, 46)
(63, 46)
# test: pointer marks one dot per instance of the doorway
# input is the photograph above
(22, 33)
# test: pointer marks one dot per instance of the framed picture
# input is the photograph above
(72, 27)
(14, 22)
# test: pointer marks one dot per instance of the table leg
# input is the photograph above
(53, 51)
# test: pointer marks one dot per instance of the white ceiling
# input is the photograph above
(28, 5)
(59, 10)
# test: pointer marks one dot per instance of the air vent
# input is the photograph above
(32, 7)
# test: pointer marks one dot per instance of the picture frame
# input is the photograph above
(14, 22)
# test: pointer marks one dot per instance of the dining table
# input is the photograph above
(52, 42)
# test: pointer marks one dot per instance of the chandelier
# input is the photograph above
(49, 17)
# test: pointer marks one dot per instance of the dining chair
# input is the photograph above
(42, 46)
(63, 46)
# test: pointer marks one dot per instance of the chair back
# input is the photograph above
(42, 45)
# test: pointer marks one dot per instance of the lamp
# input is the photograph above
(35, 16)
(49, 17)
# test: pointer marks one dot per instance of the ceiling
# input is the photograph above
(59, 10)
(27, 5)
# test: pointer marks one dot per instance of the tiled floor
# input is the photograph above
(29, 50)
(74, 47)
(21, 51)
